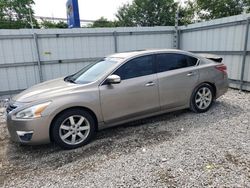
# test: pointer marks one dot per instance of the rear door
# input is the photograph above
(136, 95)
(177, 75)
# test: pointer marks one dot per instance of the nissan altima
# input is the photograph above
(119, 88)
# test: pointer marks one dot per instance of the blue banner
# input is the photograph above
(73, 14)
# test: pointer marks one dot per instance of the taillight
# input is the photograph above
(222, 68)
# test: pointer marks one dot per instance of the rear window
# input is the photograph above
(167, 62)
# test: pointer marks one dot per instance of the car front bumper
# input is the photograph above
(29, 131)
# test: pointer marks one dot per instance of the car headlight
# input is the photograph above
(32, 112)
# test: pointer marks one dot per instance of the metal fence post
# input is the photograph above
(38, 58)
(115, 41)
(244, 54)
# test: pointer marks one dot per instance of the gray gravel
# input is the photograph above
(179, 149)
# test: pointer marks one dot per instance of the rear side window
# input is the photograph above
(167, 62)
(137, 67)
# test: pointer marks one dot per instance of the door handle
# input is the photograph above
(191, 74)
(149, 84)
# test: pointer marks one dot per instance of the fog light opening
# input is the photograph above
(25, 136)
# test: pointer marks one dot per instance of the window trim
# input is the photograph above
(130, 59)
(157, 64)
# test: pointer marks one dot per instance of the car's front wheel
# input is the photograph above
(73, 128)
(202, 98)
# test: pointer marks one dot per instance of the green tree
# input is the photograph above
(187, 12)
(124, 16)
(212, 9)
(103, 22)
(15, 14)
(247, 5)
(147, 13)
(50, 24)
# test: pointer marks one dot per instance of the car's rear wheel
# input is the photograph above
(73, 128)
(202, 98)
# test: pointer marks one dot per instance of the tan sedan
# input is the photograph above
(117, 89)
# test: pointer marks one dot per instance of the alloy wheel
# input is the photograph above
(74, 129)
(203, 98)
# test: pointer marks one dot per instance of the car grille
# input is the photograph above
(10, 108)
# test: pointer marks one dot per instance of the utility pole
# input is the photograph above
(176, 34)
(31, 21)
(37, 48)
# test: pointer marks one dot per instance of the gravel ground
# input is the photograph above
(179, 149)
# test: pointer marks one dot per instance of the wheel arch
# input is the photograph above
(71, 108)
(209, 83)
(197, 86)
(213, 86)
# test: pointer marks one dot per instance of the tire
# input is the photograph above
(73, 128)
(202, 98)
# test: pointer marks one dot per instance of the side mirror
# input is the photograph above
(113, 79)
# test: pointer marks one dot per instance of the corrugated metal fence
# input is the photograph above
(28, 57)
(228, 37)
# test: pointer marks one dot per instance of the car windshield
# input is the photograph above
(91, 72)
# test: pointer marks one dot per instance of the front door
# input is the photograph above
(136, 95)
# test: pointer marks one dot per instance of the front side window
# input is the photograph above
(167, 62)
(137, 67)
(92, 72)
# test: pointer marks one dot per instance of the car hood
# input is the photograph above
(45, 90)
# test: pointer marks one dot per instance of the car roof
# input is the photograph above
(130, 54)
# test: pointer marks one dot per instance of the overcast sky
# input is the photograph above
(89, 9)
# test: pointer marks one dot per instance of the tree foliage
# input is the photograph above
(212, 9)
(247, 6)
(162, 12)
(103, 22)
(50, 24)
(147, 13)
(187, 13)
(15, 14)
